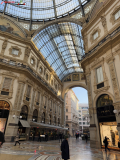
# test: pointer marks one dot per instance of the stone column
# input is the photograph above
(29, 119)
(12, 128)
(117, 107)
(93, 129)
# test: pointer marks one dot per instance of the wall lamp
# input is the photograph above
(117, 113)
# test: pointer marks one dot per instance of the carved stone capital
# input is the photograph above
(4, 45)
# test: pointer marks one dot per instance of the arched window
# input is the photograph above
(49, 119)
(67, 125)
(54, 120)
(43, 117)
(4, 105)
(24, 112)
(35, 115)
(58, 121)
(104, 100)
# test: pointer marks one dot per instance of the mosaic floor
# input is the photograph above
(50, 150)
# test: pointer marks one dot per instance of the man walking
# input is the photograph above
(17, 138)
(65, 149)
(106, 144)
(2, 140)
(60, 137)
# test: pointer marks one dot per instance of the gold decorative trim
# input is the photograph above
(112, 15)
(17, 48)
(93, 32)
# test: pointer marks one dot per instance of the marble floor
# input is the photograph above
(50, 150)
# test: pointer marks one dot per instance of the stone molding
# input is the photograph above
(27, 53)
(93, 32)
(97, 63)
(4, 45)
(110, 61)
(104, 23)
(112, 15)
(19, 95)
(85, 38)
(116, 105)
(17, 48)
(89, 90)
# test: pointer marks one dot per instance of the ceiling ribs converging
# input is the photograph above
(62, 47)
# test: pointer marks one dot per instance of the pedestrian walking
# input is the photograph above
(86, 138)
(60, 137)
(39, 138)
(17, 138)
(2, 140)
(106, 144)
(46, 137)
(65, 149)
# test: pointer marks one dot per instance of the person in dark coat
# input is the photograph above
(46, 137)
(39, 138)
(86, 137)
(65, 149)
(106, 144)
(2, 140)
(60, 137)
(17, 138)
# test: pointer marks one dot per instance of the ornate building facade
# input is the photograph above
(30, 91)
(71, 105)
(101, 64)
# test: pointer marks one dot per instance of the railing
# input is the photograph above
(101, 42)
(21, 65)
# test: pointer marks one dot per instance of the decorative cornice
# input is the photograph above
(36, 76)
(103, 89)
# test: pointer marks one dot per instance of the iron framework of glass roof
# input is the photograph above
(62, 46)
(42, 10)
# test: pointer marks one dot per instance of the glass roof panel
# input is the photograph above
(61, 48)
(41, 9)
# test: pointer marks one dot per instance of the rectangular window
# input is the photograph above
(95, 35)
(83, 123)
(99, 75)
(66, 110)
(66, 117)
(79, 122)
(117, 15)
(28, 91)
(6, 86)
(15, 52)
(45, 101)
(38, 97)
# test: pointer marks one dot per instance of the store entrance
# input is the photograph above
(4, 113)
(109, 129)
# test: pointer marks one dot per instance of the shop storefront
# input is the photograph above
(107, 121)
(23, 124)
(109, 129)
(4, 113)
(43, 129)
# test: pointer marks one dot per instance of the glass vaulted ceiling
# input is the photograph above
(38, 10)
(62, 47)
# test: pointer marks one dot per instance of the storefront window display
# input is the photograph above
(109, 129)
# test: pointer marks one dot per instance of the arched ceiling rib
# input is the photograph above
(39, 10)
(62, 46)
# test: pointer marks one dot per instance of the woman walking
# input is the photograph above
(17, 138)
